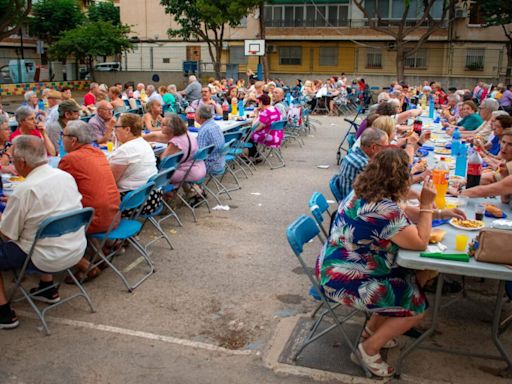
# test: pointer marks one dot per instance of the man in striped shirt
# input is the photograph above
(372, 142)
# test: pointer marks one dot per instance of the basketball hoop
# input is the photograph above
(253, 52)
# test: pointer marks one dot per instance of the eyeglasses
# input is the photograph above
(106, 109)
(62, 134)
(118, 126)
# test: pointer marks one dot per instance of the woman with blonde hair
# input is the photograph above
(153, 117)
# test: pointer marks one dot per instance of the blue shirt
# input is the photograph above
(351, 166)
(210, 133)
(495, 146)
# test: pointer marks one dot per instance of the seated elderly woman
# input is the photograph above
(133, 162)
(357, 265)
(116, 100)
(500, 120)
(27, 125)
(153, 117)
(180, 140)
(5, 144)
(471, 120)
(487, 108)
(267, 114)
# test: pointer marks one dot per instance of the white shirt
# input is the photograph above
(36, 199)
(138, 155)
(53, 114)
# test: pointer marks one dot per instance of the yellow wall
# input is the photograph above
(311, 56)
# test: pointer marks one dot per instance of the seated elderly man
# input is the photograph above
(153, 94)
(103, 122)
(54, 99)
(278, 102)
(206, 99)
(26, 118)
(487, 108)
(210, 133)
(193, 90)
(33, 201)
(138, 91)
(372, 142)
(68, 110)
(91, 171)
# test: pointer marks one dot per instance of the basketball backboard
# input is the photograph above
(254, 47)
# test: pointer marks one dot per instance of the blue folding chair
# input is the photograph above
(201, 155)
(169, 162)
(318, 205)
(299, 233)
(268, 152)
(52, 227)
(161, 180)
(86, 118)
(127, 230)
(333, 185)
(218, 176)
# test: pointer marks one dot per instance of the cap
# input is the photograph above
(54, 94)
(68, 106)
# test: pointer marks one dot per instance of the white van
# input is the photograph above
(108, 67)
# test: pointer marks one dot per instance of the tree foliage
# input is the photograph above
(52, 17)
(89, 40)
(422, 25)
(104, 11)
(206, 20)
(499, 13)
(12, 14)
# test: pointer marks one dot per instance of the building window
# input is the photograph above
(475, 15)
(237, 55)
(394, 9)
(475, 59)
(418, 60)
(166, 60)
(328, 56)
(310, 15)
(242, 23)
(290, 55)
(373, 58)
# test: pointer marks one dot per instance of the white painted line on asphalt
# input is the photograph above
(134, 264)
(141, 334)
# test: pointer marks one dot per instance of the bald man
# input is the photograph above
(277, 98)
(103, 122)
(193, 90)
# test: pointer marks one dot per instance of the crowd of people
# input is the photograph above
(357, 265)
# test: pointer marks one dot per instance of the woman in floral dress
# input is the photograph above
(357, 264)
(262, 134)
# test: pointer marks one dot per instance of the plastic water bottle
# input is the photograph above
(424, 101)
(234, 106)
(440, 177)
(241, 108)
(431, 108)
(40, 105)
(190, 116)
(455, 142)
(474, 173)
(225, 110)
(461, 163)
(288, 99)
(62, 151)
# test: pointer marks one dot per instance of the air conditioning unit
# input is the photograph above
(391, 45)
(271, 48)
(461, 13)
(225, 46)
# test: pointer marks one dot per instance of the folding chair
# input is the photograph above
(318, 205)
(52, 227)
(238, 151)
(127, 230)
(267, 152)
(201, 155)
(161, 180)
(300, 232)
(168, 162)
(217, 177)
(333, 185)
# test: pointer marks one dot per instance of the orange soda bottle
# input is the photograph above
(440, 176)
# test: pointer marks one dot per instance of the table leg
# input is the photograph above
(428, 332)
(496, 324)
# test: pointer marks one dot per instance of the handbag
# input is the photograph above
(494, 246)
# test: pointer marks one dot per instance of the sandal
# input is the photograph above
(389, 344)
(374, 364)
(82, 277)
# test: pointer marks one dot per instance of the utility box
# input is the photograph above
(22, 71)
(190, 68)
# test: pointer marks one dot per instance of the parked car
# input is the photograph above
(108, 67)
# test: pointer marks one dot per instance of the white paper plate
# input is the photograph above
(452, 223)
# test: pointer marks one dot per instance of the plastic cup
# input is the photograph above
(110, 146)
(461, 241)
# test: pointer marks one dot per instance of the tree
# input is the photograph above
(499, 13)
(423, 23)
(52, 17)
(104, 11)
(206, 20)
(12, 14)
(89, 40)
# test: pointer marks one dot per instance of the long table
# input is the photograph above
(473, 268)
